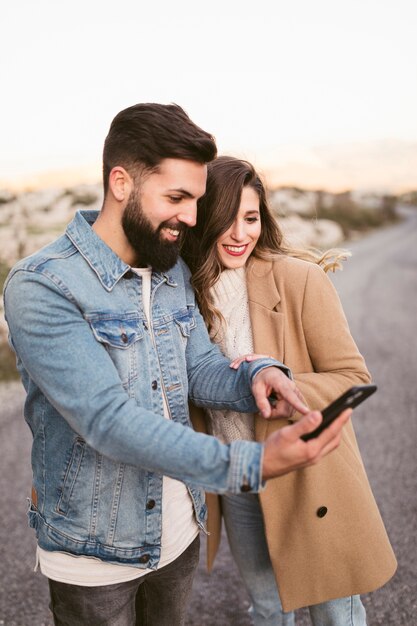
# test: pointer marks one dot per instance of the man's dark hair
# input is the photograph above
(145, 134)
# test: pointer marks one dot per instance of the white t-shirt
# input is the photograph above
(179, 527)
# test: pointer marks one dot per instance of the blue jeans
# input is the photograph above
(245, 530)
(159, 598)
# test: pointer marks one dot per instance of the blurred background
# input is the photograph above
(321, 97)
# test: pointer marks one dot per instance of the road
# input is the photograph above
(378, 288)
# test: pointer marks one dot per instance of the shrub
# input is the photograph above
(353, 217)
(4, 270)
(8, 369)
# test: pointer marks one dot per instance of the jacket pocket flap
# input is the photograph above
(119, 332)
(186, 322)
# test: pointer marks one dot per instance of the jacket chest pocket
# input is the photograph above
(185, 322)
(119, 336)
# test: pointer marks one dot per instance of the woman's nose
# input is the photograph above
(237, 231)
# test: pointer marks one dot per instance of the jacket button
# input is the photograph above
(321, 511)
(150, 504)
(154, 385)
(144, 558)
(245, 488)
(124, 337)
(129, 274)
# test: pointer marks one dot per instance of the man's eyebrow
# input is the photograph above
(182, 191)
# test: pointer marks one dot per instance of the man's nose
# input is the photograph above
(188, 216)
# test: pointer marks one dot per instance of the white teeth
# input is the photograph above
(173, 232)
(235, 248)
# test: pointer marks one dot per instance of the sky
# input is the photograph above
(319, 94)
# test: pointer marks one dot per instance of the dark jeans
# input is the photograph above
(157, 599)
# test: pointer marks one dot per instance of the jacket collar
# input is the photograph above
(107, 265)
(261, 285)
(102, 260)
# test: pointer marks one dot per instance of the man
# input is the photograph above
(110, 346)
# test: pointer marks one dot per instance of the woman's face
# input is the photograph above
(236, 244)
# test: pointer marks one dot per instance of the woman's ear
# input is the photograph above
(120, 183)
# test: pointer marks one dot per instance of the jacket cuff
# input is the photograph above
(245, 473)
(260, 364)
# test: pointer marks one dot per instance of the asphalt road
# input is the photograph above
(378, 288)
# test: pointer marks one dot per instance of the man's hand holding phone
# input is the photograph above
(313, 436)
(285, 449)
(348, 400)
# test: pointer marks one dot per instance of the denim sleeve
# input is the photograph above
(58, 356)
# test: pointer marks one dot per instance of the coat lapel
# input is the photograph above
(261, 284)
(267, 320)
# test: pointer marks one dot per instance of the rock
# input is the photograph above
(6, 196)
(327, 234)
(302, 233)
(289, 200)
(86, 195)
(33, 219)
(39, 201)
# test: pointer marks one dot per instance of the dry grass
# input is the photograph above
(8, 369)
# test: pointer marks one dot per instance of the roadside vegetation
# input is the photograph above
(354, 218)
(8, 369)
(45, 214)
(355, 212)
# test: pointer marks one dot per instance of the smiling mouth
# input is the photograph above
(173, 233)
(236, 250)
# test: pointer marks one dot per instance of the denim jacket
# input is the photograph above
(95, 375)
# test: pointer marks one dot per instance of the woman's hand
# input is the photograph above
(276, 395)
(248, 357)
(284, 398)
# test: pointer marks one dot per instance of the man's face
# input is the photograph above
(160, 208)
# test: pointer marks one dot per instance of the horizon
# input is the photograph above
(303, 175)
(318, 95)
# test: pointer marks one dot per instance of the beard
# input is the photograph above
(147, 242)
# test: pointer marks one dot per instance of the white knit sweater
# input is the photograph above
(234, 339)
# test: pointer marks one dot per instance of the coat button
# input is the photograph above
(321, 511)
(129, 274)
(124, 337)
(245, 488)
(144, 558)
(150, 504)
(154, 385)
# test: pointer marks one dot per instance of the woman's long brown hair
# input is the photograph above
(216, 211)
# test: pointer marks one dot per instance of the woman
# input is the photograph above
(314, 537)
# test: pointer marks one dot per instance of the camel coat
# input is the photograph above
(325, 535)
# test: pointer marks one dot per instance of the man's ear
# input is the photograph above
(120, 183)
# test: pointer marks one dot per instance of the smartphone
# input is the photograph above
(348, 400)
